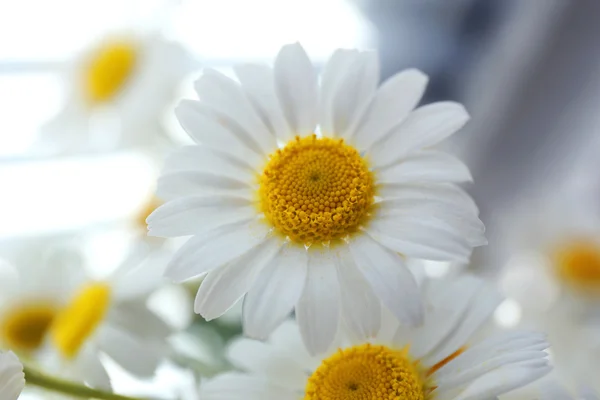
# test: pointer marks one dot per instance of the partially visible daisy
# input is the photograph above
(110, 316)
(31, 296)
(130, 77)
(12, 379)
(434, 361)
(312, 196)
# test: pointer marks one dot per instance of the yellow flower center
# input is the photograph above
(78, 321)
(368, 372)
(109, 70)
(316, 190)
(578, 265)
(24, 326)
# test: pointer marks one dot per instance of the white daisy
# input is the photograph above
(128, 79)
(110, 316)
(30, 298)
(434, 361)
(12, 379)
(290, 219)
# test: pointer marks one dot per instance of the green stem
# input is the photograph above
(33, 377)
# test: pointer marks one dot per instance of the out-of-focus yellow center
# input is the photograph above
(316, 190)
(78, 321)
(24, 326)
(108, 70)
(578, 265)
(368, 372)
(145, 212)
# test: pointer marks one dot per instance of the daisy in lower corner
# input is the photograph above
(110, 317)
(12, 378)
(438, 360)
(300, 195)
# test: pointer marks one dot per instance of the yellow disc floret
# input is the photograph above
(109, 70)
(367, 372)
(578, 265)
(78, 321)
(24, 326)
(316, 190)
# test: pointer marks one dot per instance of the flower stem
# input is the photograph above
(35, 378)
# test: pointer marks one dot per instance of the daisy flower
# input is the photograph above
(437, 360)
(12, 379)
(129, 76)
(30, 299)
(110, 317)
(312, 196)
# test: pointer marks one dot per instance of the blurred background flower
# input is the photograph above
(80, 153)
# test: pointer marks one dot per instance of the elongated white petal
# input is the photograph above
(224, 286)
(145, 324)
(296, 87)
(482, 308)
(425, 166)
(275, 292)
(361, 309)
(394, 100)
(194, 183)
(502, 380)
(447, 302)
(207, 128)
(198, 214)
(136, 356)
(12, 379)
(265, 361)
(391, 281)
(204, 158)
(88, 367)
(423, 128)
(334, 70)
(206, 252)
(355, 90)
(226, 98)
(235, 385)
(258, 82)
(318, 309)
(420, 237)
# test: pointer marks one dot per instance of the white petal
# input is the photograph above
(424, 238)
(203, 253)
(394, 100)
(197, 214)
(424, 127)
(318, 309)
(502, 380)
(361, 309)
(391, 281)
(224, 286)
(275, 292)
(446, 302)
(334, 70)
(492, 348)
(263, 360)
(296, 86)
(12, 379)
(142, 279)
(355, 90)
(235, 385)
(288, 340)
(135, 317)
(226, 98)
(204, 158)
(258, 82)
(137, 356)
(205, 127)
(89, 368)
(190, 183)
(425, 166)
(482, 308)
